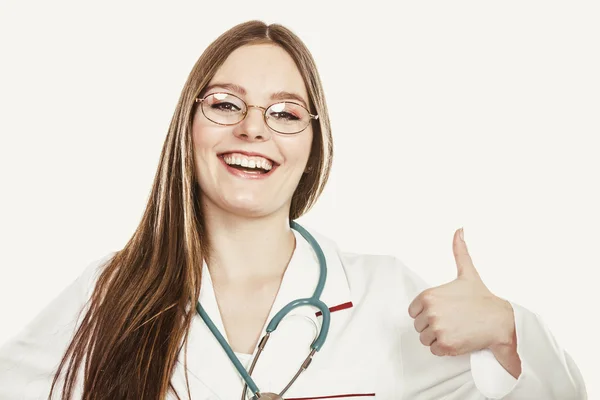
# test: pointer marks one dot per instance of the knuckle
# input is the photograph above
(442, 349)
(447, 345)
(416, 325)
(412, 312)
(428, 297)
(443, 340)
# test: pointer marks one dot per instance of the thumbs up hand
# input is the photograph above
(462, 316)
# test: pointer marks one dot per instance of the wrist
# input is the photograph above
(504, 346)
(505, 334)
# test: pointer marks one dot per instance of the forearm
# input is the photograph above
(541, 366)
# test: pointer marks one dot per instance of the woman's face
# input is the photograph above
(260, 75)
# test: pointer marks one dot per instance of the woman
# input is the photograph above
(248, 152)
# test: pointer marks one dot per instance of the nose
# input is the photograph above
(253, 127)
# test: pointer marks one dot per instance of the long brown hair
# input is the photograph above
(138, 317)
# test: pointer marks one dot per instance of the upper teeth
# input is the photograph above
(249, 162)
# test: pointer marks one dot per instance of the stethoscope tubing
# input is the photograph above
(313, 301)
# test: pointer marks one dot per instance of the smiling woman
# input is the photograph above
(218, 259)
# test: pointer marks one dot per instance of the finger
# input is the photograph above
(427, 337)
(436, 349)
(421, 322)
(415, 307)
(464, 264)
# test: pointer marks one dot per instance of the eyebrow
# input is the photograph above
(280, 95)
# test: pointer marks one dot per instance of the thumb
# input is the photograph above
(464, 264)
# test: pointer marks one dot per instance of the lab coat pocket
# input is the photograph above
(335, 384)
(349, 396)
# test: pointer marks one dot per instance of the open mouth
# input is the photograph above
(248, 165)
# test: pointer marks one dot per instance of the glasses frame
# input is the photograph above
(249, 106)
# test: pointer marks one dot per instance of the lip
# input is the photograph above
(244, 174)
(249, 154)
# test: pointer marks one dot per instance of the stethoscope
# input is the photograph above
(314, 301)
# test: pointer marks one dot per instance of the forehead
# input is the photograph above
(261, 69)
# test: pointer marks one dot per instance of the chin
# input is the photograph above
(250, 206)
(244, 203)
(249, 211)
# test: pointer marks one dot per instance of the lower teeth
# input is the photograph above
(248, 169)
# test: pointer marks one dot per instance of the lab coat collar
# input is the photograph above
(289, 344)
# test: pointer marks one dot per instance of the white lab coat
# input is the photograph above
(372, 350)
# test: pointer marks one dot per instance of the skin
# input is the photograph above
(249, 215)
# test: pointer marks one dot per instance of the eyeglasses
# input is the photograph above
(284, 117)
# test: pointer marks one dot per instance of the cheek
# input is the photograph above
(204, 139)
(300, 148)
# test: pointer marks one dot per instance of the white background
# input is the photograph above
(444, 114)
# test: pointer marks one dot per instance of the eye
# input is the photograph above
(225, 106)
(283, 115)
(285, 112)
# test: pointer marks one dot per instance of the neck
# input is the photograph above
(244, 247)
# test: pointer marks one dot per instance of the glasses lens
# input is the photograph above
(287, 117)
(224, 108)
